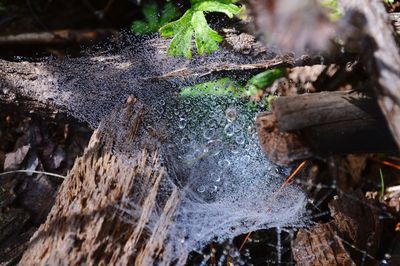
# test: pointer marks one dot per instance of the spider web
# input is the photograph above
(227, 185)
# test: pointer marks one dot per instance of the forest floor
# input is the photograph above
(371, 182)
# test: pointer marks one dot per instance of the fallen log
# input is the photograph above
(320, 124)
(366, 30)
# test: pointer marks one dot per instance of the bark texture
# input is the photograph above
(319, 246)
(380, 53)
(103, 211)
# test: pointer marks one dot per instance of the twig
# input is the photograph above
(288, 180)
(32, 171)
(286, 183)
(245, 240)
(395, 166)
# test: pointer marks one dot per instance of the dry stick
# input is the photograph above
(33, 172)
(391, 165)
(395, 166)
(245, 240)
(287, 182)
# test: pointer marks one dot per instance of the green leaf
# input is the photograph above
(194, 21)
(332, 8)
(181, 44)
(220, 87)
(382, 192)
(207, 39)
(174, 27)
(213, 6)
(139, 27)
(150, 14)
(266, 78)
(153, 21)
(169, 13)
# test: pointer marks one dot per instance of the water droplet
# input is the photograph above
(246, 158)
(229, 130)
(252, 153)
(201, 189)
(224, 163)
(231, 114)
(213, 189)
(198, 154)
(185, 141)
(237, 128)
(240, 139)
(214, 147)
(251, 130)
(208, 133)
(182, 123)
(233, 148)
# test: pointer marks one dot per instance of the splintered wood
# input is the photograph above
(104, 210)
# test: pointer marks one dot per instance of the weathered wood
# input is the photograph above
(319, 246)
(316, 109)
(322, 124)
(380, 54)
(358, 223)
(282, 148)
(104, 211)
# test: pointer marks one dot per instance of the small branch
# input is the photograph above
(32, 172)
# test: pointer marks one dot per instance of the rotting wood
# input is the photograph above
(281, 148)
(90, 222)
(303, 126)
(319, 246)
(358, 223)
